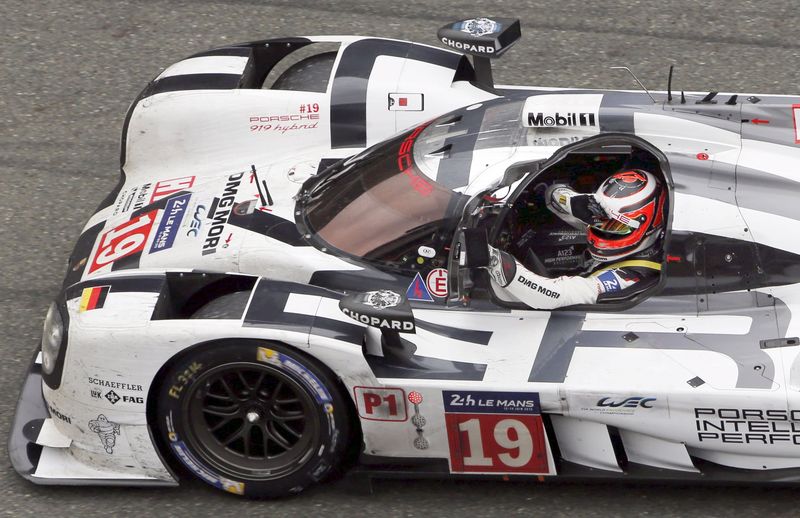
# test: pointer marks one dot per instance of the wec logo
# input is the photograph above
(629, 402)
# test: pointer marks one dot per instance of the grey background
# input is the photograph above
(69, 69)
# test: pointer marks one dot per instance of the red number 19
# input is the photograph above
(496, 443)
(123, 240)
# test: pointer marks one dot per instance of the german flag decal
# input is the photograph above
(93, 298)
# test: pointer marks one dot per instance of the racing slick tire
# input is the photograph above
(253, 418)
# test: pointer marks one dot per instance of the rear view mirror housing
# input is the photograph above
(481, 37)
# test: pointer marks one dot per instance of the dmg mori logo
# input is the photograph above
(547, 120)
(629, 402)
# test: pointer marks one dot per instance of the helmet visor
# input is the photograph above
(613, 227)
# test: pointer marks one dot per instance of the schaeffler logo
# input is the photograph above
(542, 120)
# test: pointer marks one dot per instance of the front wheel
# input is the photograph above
(253, 418)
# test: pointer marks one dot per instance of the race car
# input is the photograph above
(282, 285)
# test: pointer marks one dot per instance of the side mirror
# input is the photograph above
(476, 246)
(383, 309)
(483, 39)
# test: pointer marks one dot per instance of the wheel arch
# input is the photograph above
(175, 467)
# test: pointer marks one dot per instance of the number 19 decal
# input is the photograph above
(495, 432)
(122, 241)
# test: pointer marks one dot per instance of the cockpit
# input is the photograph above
(401, 204)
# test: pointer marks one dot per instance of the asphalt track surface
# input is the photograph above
(69, 69)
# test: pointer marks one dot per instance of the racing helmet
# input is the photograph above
(634, 202)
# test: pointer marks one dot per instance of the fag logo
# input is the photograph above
(112, 397)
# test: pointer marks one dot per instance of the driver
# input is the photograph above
(624, 223)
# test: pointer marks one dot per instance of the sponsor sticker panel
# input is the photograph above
(496, 433)
(406, 102)
(218, 214)
(563, 111)
(123, 240)
(747, 426)
(436, 282)
(115, 391)
(381, 403)
(418, 290)
(165, 188)
(170, 223)
(642, 404)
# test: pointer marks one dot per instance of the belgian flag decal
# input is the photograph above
(93, 298)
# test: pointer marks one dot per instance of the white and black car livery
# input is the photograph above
(278, 288)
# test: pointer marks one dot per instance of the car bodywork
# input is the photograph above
(698, 378)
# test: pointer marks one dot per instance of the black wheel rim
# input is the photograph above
(251, 421)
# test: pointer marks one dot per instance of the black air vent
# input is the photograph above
(185, 293)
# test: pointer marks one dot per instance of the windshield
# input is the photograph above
(379, 206)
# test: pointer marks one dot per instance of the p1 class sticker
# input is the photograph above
(381, 403)
(418, 291)
(437, 282)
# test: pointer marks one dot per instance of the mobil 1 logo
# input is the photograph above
(575, 112)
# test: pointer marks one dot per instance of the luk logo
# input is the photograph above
(629, 402)
(543, 120)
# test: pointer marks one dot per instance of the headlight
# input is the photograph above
(52, 336)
